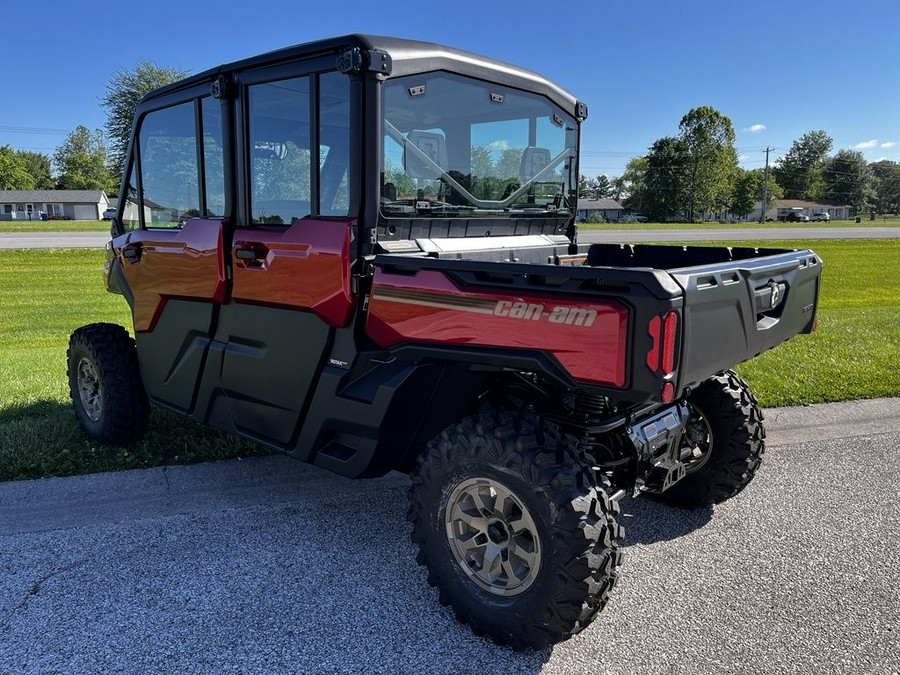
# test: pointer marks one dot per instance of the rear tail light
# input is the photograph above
(670, 330)
(668, 393)
(664, 333)
(653, 355)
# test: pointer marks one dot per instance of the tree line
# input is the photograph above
(695, 175)
(687, 176)
(88, 159)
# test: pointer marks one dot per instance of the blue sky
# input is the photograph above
(777, 68)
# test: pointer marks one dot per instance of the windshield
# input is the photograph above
(460, 147)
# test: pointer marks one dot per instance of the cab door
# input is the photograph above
(292, 253)
(171, 250)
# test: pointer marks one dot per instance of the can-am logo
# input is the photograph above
(569, 316)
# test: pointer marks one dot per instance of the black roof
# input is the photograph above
(405, 57)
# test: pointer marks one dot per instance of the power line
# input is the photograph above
(47, 131)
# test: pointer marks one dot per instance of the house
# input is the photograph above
(69, 204)
(782, 207)
(606, 208)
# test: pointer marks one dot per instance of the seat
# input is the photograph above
(534, 160)
(432, 145)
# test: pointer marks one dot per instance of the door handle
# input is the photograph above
(248, 254)
(251, 255)
(131, 252)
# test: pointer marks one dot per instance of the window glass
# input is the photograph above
(130, 215)
(496, 153)
(334, 144)
(280, 151)
(460, 147)
(213, 157)
(169, 171)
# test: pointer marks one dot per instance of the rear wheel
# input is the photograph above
(516, 534)
(105, 384)
(723, 443)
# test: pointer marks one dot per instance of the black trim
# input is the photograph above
(201, 154)
(314, 146)
(405, 57)
(499, 358)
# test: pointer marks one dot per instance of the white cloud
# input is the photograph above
(865, 144)
(889, 144)
(743, 158)
(756, 128)
(499, 145)
(881, 159)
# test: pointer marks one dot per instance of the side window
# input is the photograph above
(334, 144)
(130, 216)
(169, 171)
(213, 157)
(279, 123)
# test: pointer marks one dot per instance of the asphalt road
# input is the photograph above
(272, 566)
(10, 240)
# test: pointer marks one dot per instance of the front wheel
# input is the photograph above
(516, 534)
(105, 384)
(723, 443)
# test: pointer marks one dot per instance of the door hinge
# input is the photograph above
(355, 60)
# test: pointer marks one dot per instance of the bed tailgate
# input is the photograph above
(736, 310)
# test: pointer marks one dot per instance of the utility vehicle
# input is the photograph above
(362, 252)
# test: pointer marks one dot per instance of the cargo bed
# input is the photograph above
(731, 304)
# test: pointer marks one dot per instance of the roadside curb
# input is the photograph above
(831, 421)
(63, 503)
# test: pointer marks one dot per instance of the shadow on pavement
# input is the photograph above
(649, 522)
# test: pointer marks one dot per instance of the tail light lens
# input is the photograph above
(670, 331)
(664, 333)
(653, 355)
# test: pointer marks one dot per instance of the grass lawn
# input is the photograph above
(45, 295)
(856, 351)
(886, 221)
(54, 226)
(48, 293)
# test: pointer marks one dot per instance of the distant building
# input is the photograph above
(781, 207)
(607, 208)
(72, 204)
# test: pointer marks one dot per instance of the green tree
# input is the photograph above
(482, 162)
(848, 179)
(123, 92)
(799, 172)
(38, 165)
(887, 186)
(14, 173)
(586, 187)
(603, 187)
(600, 187)
(507, 165)
(630, 188)
(708, 138)
(81, 162)
(667, 179)
(748, 191)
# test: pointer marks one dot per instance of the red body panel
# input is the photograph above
(587, 336)
(177, 263)
(306, 266)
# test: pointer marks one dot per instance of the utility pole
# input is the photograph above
(762, 209)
